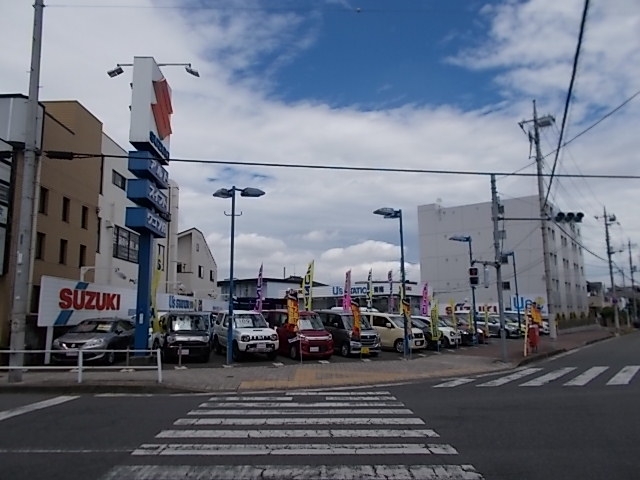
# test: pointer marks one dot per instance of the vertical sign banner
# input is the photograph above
(390, 280)
(406, 308)
(424, 304)
(435, 318)
(307, 287)
(346, 295)
(259, 296)
(155, 281)
(370, 289)
(454, 320)
(355, 311)
(486, 320)
(293, 309)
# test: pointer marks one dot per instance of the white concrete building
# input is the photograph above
(197, 269)
(445, 263)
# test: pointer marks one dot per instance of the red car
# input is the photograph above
(311, 338)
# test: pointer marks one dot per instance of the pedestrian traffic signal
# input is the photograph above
(473, 275)
(569, 217)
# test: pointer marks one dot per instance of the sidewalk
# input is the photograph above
(467, 361)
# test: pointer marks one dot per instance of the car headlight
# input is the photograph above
(303, 338)
(57, 343)
(245, 338)
(377, 338)
(171, 339)
(96, 342)
(274, 337)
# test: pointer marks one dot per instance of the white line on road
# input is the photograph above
(14, 412)
(624, 376)
(247, 398)
(510, 378)
(293, 472)
(298, 405)
(454, 383)
(320, 393)
(338, 433)
(585, 377)
(244, 449)
(255, 412)
(63, 451)
(536, 382)
(301, 421)
(360, 398)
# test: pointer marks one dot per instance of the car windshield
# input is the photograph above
(364, 322)
(188, 323)
(445, 322)
(310, 322)
(249, 320)
(89, 326)
(397, 320)
(418, 323)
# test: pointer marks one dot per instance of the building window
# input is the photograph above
(99, 235)
(182, 268)
(66, 206)
(82, 256)
(506, 285)
(161, 251)
(119, 180)
(200, 271)
(62, 253)
(43, 202)
(35, 298)
(212, 277)
(197, 247)
(84, 220)
(40, 240)
(125, 244)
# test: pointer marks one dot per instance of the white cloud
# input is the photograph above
(325, 215)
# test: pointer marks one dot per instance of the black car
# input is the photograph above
(426, 329)
(96, 338)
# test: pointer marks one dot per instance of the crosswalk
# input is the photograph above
(600, 375)
(342, 435)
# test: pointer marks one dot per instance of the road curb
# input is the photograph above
(553, 353)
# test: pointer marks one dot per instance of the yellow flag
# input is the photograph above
(155, 281)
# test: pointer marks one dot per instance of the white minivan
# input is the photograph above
(390, 327)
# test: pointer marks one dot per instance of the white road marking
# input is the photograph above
(301, 421)
(510, 378)
(318, 411)
(278, 364)
(586, 377)
(623, 377)
(294, 472)
(14, 412)
(299, 405)
(544, 379)
(454, 383)
(318, 393)
(359, 398)
(247, 398)
(324, 362)
(164, 449)
(341, 433)
(63, 451)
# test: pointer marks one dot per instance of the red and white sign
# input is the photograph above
(151, 108)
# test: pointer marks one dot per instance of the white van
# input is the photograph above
(390, 327)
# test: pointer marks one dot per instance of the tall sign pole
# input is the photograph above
(19, 307)
(498, 264)
(632, 269)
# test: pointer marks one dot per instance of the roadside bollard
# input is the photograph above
(128, 356)
(179, 355)
(80, 366)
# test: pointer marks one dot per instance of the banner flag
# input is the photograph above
(307, 287)
(435, 319)
(293, 309)
(424, 305)
(355, 311)
(390, 279)
(346, 295)
(259, 296)
(370, 289)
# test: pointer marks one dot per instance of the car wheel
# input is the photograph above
(345, 349)
(446, 343)
(110, 357)
(293, 351)
(216, 346)
(398, 345)
(236, 354)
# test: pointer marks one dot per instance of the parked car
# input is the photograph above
(425, 326)
(93, 335)
(251, 334)
(390, 327)
(184, 334)
(339, 323)
(449, 336)
(311, 339)
(511, 328)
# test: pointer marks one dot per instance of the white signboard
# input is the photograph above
(525, 300)
(68, 302)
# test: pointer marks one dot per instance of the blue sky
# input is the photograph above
(414, 84)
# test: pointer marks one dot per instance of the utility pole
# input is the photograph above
(632, 269)
(498, 264)
(553, 332)
(19, 306)
(607, 221)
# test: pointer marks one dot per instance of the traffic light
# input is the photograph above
(473, 276)
(569, 217)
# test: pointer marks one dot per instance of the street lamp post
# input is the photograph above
(512, 254)
(387, 212)
(231, 193)
(467, 239)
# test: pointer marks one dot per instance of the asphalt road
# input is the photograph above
(487, 427)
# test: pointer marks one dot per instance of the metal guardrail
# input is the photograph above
(81, 364)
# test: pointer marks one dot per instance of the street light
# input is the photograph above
(467, 239)
(515, 280)
(187, 66)
(388, 212)
(231, 193)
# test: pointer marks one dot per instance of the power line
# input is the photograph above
(69, 156)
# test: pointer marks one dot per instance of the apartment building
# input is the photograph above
(197, 269)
